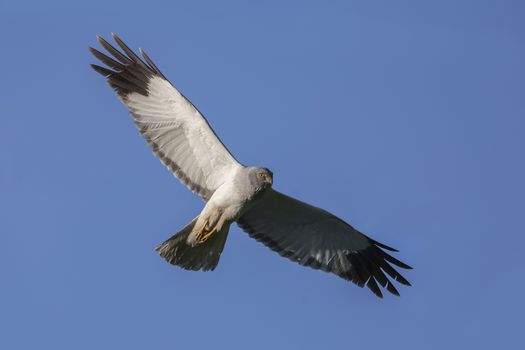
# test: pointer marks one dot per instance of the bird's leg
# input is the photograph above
(201, 235)
(200, 232)
(206, 236)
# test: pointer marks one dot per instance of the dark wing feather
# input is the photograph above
(313, 237)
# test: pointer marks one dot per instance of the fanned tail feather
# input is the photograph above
(203, 256)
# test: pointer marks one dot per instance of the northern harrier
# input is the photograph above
(184, 141)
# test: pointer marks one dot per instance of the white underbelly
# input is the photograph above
(226, 205)
(228, 200)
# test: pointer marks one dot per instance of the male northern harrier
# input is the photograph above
(184, 141)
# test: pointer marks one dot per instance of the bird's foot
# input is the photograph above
(202, 235)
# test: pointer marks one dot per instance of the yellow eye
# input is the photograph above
(261, 175)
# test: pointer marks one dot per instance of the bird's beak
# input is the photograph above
(269, 179)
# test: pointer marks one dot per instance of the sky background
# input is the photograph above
(405, 118)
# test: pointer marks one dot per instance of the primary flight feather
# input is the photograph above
(185, 143)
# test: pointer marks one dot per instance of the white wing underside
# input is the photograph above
(181, 137)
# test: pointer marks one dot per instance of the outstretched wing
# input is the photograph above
(313, 237)
(176, 131)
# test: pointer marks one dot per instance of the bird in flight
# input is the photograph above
(186, 144)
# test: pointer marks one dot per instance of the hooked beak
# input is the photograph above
(269, 178)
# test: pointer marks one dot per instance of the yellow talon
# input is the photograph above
(201, 230)
(202, 236)
(206, 236)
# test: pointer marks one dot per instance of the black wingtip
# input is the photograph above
(396, 262)
(374, 263)
(101, 70)
(390, 287)
(384, 246)
(403, 281)
(151, 64)
(136, 59)
(372, 285)
(100, 39)
(113, 51)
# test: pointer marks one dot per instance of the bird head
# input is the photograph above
(263, 177)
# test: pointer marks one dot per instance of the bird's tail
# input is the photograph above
(204, 256)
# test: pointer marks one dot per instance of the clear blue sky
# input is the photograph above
(405, 118)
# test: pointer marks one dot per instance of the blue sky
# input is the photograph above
(406, 119)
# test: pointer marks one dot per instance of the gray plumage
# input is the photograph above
(186, 144)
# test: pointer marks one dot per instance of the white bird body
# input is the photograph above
(226, 204)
